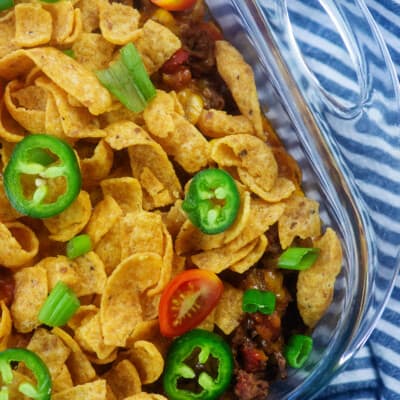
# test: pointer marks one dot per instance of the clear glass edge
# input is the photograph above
(359, 332)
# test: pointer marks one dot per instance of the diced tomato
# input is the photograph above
(187, 300)
(174, 5)
(179, 58)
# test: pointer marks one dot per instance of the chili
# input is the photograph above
(199, 365)
(36, 162)
(212, 201)
(33, 362)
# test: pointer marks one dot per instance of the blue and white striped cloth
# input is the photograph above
(374, 373)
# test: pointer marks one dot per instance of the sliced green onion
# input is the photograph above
(6, 4)
(133, 62)
(59, 307)
(255, 300)
(69, 52)
(78, 246)
(297, 350)
(127, 80)
(298, 258)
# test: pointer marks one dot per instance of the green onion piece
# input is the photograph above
(6, 4)
(298, 258)
(133, 62)
(78, 246)
(262, 301)
(59, 307)
(69, 52)
(127, 80)
(297, 350)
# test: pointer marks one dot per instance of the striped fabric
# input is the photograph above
(374, 373)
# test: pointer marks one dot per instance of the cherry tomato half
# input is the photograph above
(174, 5)
(187, 300)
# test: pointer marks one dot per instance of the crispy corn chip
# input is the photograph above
(191, 240)
(98, 166)
(217, 123)
(50, 348)
(62, 14)
(146, 396)
(168, 259)
(90, 14)
(92, 51)
(120, 113)
(7, 211)
(231, 300)
(92, 275)
(186, 145)
(142, 232)
(254, 159)
(62, 381)
(71, 221)
(122, 134)
(301, 218)
(123, 379)
(148, 361)
(158, 114)
(150, 305)
(10, 130)
(217, 260)
(76, 122)
(53, 120)
(74, 79)
(282, 189)
(7, 32)
(125, 191)
(148, 157)
(109, 248)
(159, 194)
(29, 113)
(33, 25)
(120, 308)
(13, 387)
(316, 284)
(5, 325)
(64, 71)
(103, 217)
(156, 44)
(262, 216)
(95, 390)
(252, 258)
(239, 78)
(119, 23)
(84, 312)
(78, 364)
(149, 331)
(90, 338)
(174, 218)
(59, 268)
(18, 244)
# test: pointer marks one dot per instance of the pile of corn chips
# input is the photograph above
(130, 202)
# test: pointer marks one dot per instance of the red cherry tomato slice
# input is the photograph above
(187, 300)
(174, 5)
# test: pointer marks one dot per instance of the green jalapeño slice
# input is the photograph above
(212, 201)
(42, 177)
(199, 365)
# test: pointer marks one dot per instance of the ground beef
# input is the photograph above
(249, 387)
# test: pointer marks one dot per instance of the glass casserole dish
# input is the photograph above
(328, 134)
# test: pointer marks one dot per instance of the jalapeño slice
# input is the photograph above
(39, 167)
(212, 201)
